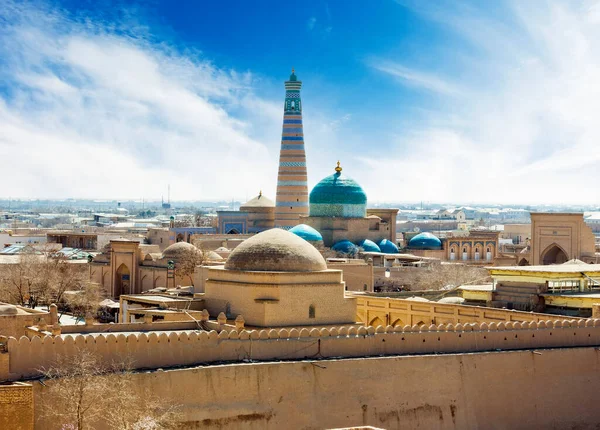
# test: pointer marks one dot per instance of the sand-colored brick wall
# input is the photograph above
(16, 406)
(554, 389)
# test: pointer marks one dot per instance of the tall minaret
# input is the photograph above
(292, 188)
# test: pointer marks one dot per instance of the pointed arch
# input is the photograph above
(398, 322)
(122, 280)
(553, 254)
(376, 322)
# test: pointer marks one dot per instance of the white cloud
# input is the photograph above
(528, 129)
(310, 24)
(89, 112)
(415, 78)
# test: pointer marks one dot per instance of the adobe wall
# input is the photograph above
(15, 325)
(376, 311)
(495, 390)
(356, 275)
(170, 349)
(16, 406)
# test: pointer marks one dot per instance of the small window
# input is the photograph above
(311, 311)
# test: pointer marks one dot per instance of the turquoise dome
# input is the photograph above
(338, 196)
(369, 246)
(306, 232)
(388, 247)
(346, 247)
(425, 241)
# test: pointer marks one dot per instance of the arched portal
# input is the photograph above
(233, 231)
(122, 281)
(554, 254)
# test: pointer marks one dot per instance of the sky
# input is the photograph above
(446, 101)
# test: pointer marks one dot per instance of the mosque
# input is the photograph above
(333, 215)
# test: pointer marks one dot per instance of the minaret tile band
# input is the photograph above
(292, 187)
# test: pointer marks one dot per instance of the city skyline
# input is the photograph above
(436, 103)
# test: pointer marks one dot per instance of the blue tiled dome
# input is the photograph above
(388, 247)
(338, 196)
(346, 247)
(306, 232)
(369, 246)
(425, 240)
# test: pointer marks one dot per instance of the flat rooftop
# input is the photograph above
(556, 268)
(483, 287)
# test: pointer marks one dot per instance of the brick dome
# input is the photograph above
(178, 249)
(276, 250)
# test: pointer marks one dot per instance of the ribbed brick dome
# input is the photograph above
(276, 250)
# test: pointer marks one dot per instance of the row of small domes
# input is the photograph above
(308, 233)
(347, 247)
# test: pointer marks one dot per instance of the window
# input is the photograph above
(311, 311)
(563, 286)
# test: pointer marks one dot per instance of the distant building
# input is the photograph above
(69, 239)
(559, 237)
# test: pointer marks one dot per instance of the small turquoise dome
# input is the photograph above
(388, 247)
(338, 196)
(425, 241)
(346, 247)
(369, 246)
(306, 232)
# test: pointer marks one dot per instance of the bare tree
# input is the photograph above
(85, 303)
(187, 261)
(77, 397)
(436, 277)
(19, 282)
(39, 277)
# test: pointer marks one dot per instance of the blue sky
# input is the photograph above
(435, 101)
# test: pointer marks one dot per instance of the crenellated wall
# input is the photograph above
(151, 351)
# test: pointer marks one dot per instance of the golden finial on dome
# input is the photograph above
(260, 193)
(293, 71)
(338, 167)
